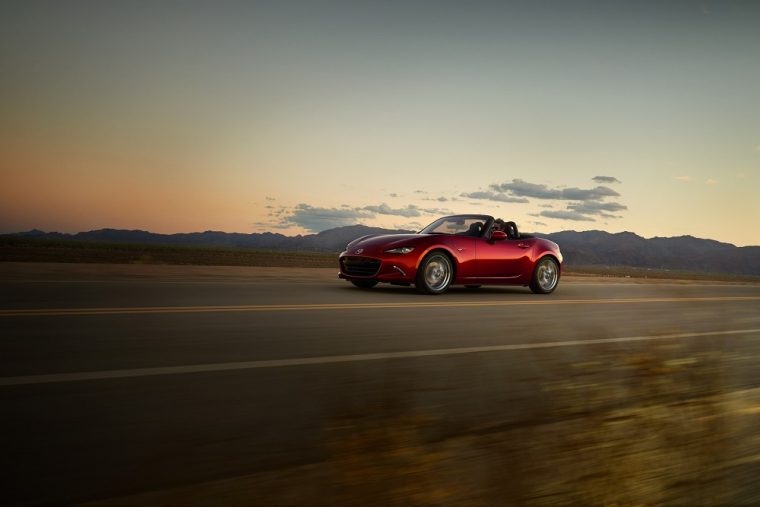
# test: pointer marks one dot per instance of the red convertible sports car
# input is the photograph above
(471, 250)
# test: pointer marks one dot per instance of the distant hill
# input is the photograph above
(687, 253)
(331, 240)
(588, 248)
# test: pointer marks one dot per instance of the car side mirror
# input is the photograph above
(498, 235)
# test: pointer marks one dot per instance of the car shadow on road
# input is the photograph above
(382, 289)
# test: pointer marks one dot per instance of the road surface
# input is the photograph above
(266, 386)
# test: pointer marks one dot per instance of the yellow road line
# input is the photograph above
(361, 306)
(53, 378)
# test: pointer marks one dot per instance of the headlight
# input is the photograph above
(401, 250)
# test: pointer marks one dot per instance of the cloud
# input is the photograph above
(586, 203)
(536, 222)
(591, 194)
(493, 196)
(409, 211)
(710, 181)
(596, 208)
(584, 211)
(606, 179)
(393, 194)
(270, 198)
(383, 209)
(409, 226)
(682, 178)
(268, 226)
(317, 219)
(276, 211)
(566, 215)
(522, 188)
(436, 211)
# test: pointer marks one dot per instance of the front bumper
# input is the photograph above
(394, 268)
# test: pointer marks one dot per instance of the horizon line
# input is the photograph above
(41, 231)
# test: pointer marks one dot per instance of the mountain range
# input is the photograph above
(586, 248)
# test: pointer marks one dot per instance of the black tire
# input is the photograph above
(545, 276)
(364, 284)
(435, 274)
(472, 286)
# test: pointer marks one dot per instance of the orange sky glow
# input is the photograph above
(297, 118)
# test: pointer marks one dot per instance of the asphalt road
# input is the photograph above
(130, 380)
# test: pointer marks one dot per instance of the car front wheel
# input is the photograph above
(545, 276)
(435, 274)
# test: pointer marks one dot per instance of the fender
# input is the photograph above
(464, 262)
(437, 246)
(543, 254)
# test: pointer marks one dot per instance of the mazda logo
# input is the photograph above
(360, 250)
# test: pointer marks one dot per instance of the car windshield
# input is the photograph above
(462, 226)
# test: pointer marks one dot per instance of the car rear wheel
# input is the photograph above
(545, 276)
(434, 274)
(364, 284)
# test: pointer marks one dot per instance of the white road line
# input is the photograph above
(42, 312)
(351, 358)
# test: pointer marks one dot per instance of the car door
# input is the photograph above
(502, 259)
(465, 248)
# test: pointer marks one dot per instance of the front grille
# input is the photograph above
(360, 266)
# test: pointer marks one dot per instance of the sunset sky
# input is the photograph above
(295, 117)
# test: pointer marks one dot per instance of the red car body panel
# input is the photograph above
(478, 260)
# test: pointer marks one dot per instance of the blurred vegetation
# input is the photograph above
(651, 427)
(638, 425)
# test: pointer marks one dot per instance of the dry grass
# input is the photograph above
(647, 428)
(636, 426)
(13, 249)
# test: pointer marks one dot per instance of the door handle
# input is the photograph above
(523, 245)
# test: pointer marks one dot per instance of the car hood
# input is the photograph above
(384, 241)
